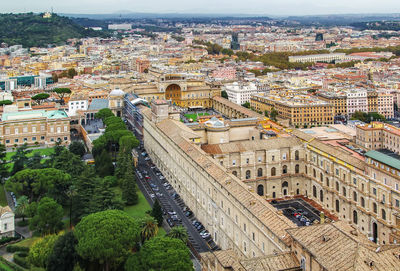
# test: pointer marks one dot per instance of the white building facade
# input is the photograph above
(240, 93)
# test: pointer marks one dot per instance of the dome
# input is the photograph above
(117, 92)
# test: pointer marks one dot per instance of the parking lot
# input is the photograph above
(155, 186)
(298, 211)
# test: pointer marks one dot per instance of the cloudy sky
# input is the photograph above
(266, 7)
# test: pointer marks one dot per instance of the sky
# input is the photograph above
(256, 7)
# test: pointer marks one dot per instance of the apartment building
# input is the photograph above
(377, 135)
(385, 105)
(300, 110)
(240, 92)
(34, 127)
(337, 99)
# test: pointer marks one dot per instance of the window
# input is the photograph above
(284, 169)
(337, 172)
(25, 129)
(383, 214)
(259, 172)
(34, 129)
(234, 173)
(233, 162)
(374, 207)
(260, 190)
(7, 141)
(5, 226)
(327, 181)
(362, 202)
(247, 160)
(244, 246)
(297, 169)
(397, 203)
(259, 159)
(314, 191)
(273, 171)
(396, 186)
(273, 158)
(374, 191)
(65, 138)
(337, 206)
(383, 199)
(321, 196)
(354, 181)
(248, 174)
(16, 140)
(16, 131)
(244, 227)
(284, 156)
(314, 173)
(25, 139)
(354, 196)
(355, 217)
(42, 137)
(296, 155)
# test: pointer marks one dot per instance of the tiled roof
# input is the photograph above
(391, 160)
(98, 104)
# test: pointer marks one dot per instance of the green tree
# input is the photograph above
(105, 198)
(48, 218)
(157, 212)
(179, 232)
(41, 250)
(103, 164)
(63, 257)
(3, 163)
(20, 158)
(61, 93)
(106, 238)
(71, 73)
(246, 104)
(77, 148)
(273, 114)
(124, 160)
(22, 207)
(149, 229)
(103, 114)
(129, 190)
(161, 253)
(69, 162)
(5, 102)
(128, 142)
(224, 94)
(35, 161)
(40, 97)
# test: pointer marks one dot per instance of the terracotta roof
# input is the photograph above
(279, 262)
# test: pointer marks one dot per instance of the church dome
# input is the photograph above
(117, 92)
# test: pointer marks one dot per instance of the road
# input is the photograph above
(169, 204)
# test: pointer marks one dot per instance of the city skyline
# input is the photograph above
(252, 7)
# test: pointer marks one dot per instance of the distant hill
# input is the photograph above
(31, 30)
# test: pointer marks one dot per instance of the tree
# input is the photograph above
(105, 198)
(71, 73)
(266, 113)
(54, 76)
(128, 142)
(179, 232)
(40, 97)
(224, 94)
(5, 102)
(22, 207)
(41, 250)
(149, 229)
(124, 160)
(77, 148)
(61, 93)
(20, 158)
(103, 164)
(161, 253)
(157, 212)
(35, 183)
(3, 163)
(35, 161)
(129, 190)
(48, 218)
(103, 114)
(63, 256)
(106, 238)
(273, 114)
(246, 104)
(69, 162)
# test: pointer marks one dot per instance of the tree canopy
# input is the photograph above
(63, 256)
(40, 97)
(103, 114)
(41, 250)
(48, 217)
(107, 237)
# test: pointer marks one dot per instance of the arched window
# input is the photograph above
(337, 186)
(285, 184)
(344, 191)
(314, 191)
(248, 174)
(297, 191)
(284, 169)
(296, 155)
(362, 202)
(314, 173)
(337, 206)
(355, 218)
(354, 195)
(321, 177)
(260, 190)
(259, 172)
(321, 196)
(374, 207)
(327, 181)
(296, 168)
(273, 171)
(234, 173)
(383, 214)
(306, 169)
(273, 195)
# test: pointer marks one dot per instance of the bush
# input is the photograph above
(5, 240)
(13, 266)
(23, 223)
(21, 260)
(15, 248)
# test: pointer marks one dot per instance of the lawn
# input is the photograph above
(194, 116)
(3, 199)
(46, 152)
(27, 242)
(5, 267)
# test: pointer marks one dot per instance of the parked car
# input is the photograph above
(152, 196)
(170, 222)
(172, 213)
(162, 177)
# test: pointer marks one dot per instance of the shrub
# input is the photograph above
(15, 248)
(23, 223)
(5, 240)
(13, 266)
(21, 260)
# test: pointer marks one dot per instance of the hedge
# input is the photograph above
(5, 240)
(21, 260)
(15, 248)
(11, 265)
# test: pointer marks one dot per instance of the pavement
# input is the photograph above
(289, 206)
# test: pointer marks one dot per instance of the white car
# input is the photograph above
(162, 177)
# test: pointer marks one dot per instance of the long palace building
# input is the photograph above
(227, 171)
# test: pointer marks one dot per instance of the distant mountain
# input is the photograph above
(31, 30)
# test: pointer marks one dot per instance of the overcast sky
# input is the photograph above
(266, 7)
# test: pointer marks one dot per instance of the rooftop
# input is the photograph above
(385, 157)
(33, 114)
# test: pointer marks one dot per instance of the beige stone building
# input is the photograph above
(378, 135)
(227, 184)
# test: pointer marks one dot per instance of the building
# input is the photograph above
(119, 26)
(337, 99)
(116, 101)
(133, 107)
(385, 105)
(300, 110)
(377, 135)
(320, 58)
(357, 100)
(7, 226)
(77, 104)
(224, 73)
(142, 65)
(240, 92)
(180, 90)
(34, 127)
